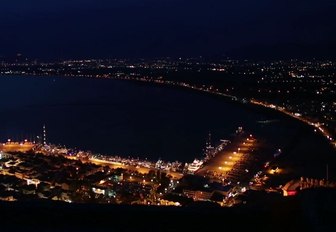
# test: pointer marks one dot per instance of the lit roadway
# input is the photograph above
(225, 160)
(28, 146)
(318, 126)
(114, 165)
(16, 147)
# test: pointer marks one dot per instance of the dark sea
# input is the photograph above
(137, 119)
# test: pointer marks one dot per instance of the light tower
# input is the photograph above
(44, 135)
(208, 147)
(208, 142)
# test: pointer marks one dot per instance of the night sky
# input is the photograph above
(260, 29)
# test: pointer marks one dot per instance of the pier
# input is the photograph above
(229, 163)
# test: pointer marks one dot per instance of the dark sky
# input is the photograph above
(147, 28)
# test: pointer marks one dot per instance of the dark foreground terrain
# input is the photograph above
(312, 210)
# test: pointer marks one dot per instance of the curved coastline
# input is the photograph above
(276, 136)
